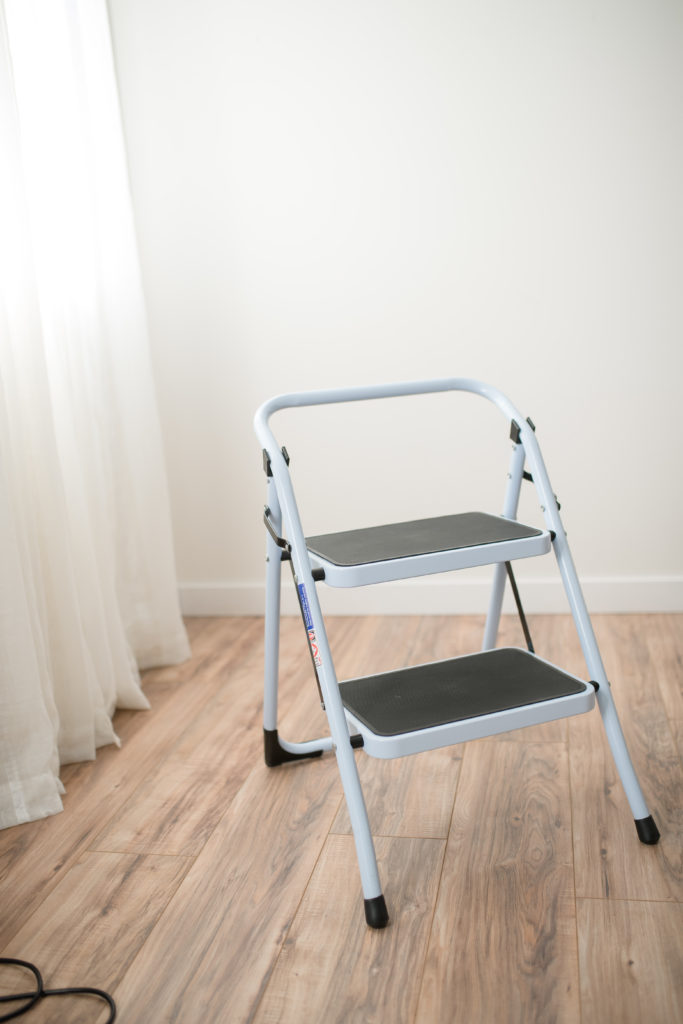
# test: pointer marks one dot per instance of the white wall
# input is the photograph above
(331, 193)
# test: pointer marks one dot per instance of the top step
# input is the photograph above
(379, 554)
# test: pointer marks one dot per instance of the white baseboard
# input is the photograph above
(633, 594)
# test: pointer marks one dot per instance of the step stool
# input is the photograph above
(406, 711)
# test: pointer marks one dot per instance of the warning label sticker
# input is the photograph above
(305, 607)
(308, 620)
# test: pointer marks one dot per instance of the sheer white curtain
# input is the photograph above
(87, 580)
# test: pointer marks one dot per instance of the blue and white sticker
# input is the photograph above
(308, 620)
(305, 607)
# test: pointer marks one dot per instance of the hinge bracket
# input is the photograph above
(267, 468)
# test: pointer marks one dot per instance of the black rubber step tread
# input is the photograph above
(417, 537)
(424, 696)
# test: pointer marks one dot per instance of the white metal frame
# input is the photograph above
(283, 509)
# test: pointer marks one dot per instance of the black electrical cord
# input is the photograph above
(31, 998)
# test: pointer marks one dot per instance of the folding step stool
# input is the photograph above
(402, 712)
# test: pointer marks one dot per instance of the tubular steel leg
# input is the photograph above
(375, 907)
(499, 575)
(376, 913)
(272, 617)
(645, 825)
(277, 751)
(495, 607)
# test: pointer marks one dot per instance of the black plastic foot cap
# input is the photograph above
(376, 913)
(647, 830)
(276, 754)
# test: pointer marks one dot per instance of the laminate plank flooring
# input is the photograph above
(94, 924)
(33, 857)
(630, 961)
(503, 944)
(197, 885)
(666, 659)
(604, 836)
(407, 796)
(221, 935)
(677, 733)
(358, 974)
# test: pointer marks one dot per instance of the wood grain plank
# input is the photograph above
(91, 927)
(631, 961)
(503, 946)
(556, 639)
(677, 733)
(503, 943)
(447, 636)
(212, 952)
(175, 809)
(35, 856)
(180, 800)
(609, 859)
(664, 634)
(373, 643)
(332, 966)
(407, 796)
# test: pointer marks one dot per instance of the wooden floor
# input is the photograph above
(197, 885)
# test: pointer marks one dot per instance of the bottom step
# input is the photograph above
(428, 706)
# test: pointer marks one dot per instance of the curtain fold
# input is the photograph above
(87, 592)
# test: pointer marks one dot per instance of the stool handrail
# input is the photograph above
(399, 389)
